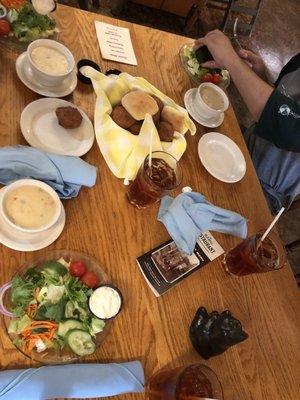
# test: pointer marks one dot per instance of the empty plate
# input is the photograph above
(41, 129)
(221, 157)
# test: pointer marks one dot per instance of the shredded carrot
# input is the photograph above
(30, 338)
(31, 310)
(44, 322)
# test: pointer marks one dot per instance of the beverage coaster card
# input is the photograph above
(165, 266)
(115, 43)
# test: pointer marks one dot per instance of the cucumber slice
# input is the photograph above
(70, 324)
(80, 342)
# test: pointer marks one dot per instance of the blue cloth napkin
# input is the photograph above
(76, 380)
(65, 174)
(189, 214)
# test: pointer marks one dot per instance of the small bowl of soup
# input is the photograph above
(211, 100)
(30, 206)
(51, 62)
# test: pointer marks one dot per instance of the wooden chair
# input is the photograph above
(83, 4)
(233, 6)
(228, 7)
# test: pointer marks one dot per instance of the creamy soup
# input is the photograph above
(29, 207)
(212, 98)
(49, 60)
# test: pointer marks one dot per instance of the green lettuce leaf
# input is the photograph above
(76, 291)
(53, 312)
(21, 295)
(28, 25)
(18, 325)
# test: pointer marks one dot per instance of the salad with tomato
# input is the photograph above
(200, 74)
(51, 308)
(25, 20)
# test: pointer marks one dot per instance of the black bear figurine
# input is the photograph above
(212, 334)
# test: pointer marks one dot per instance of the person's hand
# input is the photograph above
(254, 62)
(220, 47)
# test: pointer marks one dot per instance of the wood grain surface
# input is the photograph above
(101, 222)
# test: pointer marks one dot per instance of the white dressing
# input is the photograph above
(105, 302)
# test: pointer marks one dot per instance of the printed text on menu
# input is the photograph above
(115, 43)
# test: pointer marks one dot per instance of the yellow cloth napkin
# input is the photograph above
(123, 151)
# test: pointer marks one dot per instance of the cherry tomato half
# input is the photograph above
(216, 79)
(4, 27)
(77, 268)
(90, 279)
(207, 77)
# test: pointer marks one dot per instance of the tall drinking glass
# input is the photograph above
(154, 179)
(194, 382)
(254, 256)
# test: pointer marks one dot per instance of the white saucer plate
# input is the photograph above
(41, 129)
(221, 157)
(24, 72)
(192, 108)
(23, 241)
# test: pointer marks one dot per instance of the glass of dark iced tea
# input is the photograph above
(154, 181)
(255, 256)
(194, 382)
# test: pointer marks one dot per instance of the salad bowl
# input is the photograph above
(199, 74)
(25, 22)
(45, 307)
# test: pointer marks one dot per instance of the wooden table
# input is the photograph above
(100, 222)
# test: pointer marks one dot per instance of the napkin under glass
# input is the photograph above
(72, 381)
(189, 214)
(65, 174)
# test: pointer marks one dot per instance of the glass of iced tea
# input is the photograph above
(154, 179)
(255, 256)
(193, 382)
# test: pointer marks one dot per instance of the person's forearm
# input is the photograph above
(254, 91)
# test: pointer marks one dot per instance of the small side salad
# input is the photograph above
(51, 306)
(26, 21)
(199, 73)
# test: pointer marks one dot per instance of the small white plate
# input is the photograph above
(25, 74)
(221, 157)
(190, 105)
(41, 129)
(23, 241)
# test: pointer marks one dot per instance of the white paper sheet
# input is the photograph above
(115, 43)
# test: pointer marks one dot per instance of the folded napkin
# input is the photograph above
(65, 174)
(123, 151)
(69, 381)
(189, 214)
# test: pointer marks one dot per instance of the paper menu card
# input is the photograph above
(115, 43)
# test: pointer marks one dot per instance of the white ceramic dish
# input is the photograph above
(194, 111)
(25, 74)
(23, 241)
(204, 108)
(221, 157)
(31, 182)
(47, 78)
(41, 129)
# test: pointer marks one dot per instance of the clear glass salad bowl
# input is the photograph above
(194, 69)
(53, 355)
